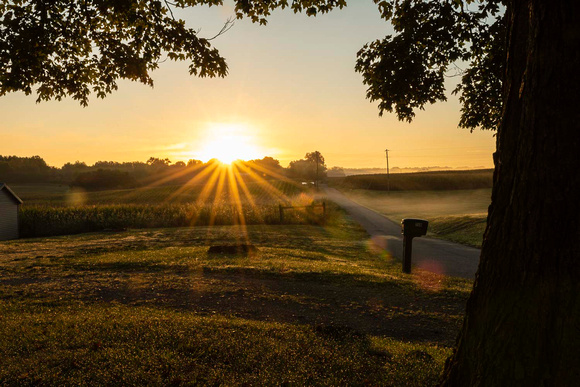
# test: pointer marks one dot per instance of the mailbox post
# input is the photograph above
(411, 228)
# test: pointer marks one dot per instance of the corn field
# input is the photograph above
(37, 221)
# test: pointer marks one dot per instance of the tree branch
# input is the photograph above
(167, 3)
(227, 26)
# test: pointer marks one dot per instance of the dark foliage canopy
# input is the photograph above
(64, 48)
(312, 167)
(316, 158)
(104, 179)
(433, 38)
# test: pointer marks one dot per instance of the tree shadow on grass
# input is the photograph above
(350, 302)
(313, 239)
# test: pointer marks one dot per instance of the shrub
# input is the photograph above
(103, 179)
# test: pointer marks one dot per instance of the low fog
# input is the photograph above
(425, 204)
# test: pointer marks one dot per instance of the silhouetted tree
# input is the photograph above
(158, 165)
(316, 158)
(193, 163)
(25, 169)
(5, 170)
(108, 165)
(301, 169)
(156, 162)
(266, 167)
(71, 170)
(522, 317)
(103, 179)
(306, 169)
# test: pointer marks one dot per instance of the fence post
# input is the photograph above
(281, 213)
(324, 210)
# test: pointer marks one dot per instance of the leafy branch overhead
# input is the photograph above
(406, 71)
(78, 47)
(75, 48)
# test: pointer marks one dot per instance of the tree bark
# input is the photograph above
(522, 325)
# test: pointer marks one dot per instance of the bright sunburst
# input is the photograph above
(228, 194)
(227, 143)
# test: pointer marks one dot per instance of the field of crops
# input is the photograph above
(56, 210)
(422, 181)
(263, 192)
(455, 214)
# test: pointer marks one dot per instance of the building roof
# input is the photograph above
(4, 187)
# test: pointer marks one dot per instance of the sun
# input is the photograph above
(228, 143)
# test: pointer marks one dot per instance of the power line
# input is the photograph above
(388, 181)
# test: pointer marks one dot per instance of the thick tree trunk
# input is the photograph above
(522, 325)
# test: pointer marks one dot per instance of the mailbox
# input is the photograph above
(411, 228)
(414, 227)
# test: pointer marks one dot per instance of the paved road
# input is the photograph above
(430, 254)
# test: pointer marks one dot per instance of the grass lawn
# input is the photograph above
(459, 216)
(312, 306)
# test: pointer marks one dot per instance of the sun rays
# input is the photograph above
(224, 180)
(220, 194)
(222, 188)
(228, 143)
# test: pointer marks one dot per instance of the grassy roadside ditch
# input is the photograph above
(459, 216)
(464, 229)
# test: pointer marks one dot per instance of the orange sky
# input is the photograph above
(292, 89)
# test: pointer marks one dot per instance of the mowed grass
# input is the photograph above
(464, 229)
(313, 305)
(459, 215)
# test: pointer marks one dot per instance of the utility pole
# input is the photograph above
(388, 182)
(317, 169)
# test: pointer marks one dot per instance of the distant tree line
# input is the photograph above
(104, 175)
(26, 170)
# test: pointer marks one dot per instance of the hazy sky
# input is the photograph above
(291, 89)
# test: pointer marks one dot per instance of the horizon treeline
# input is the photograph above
(104, 175)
